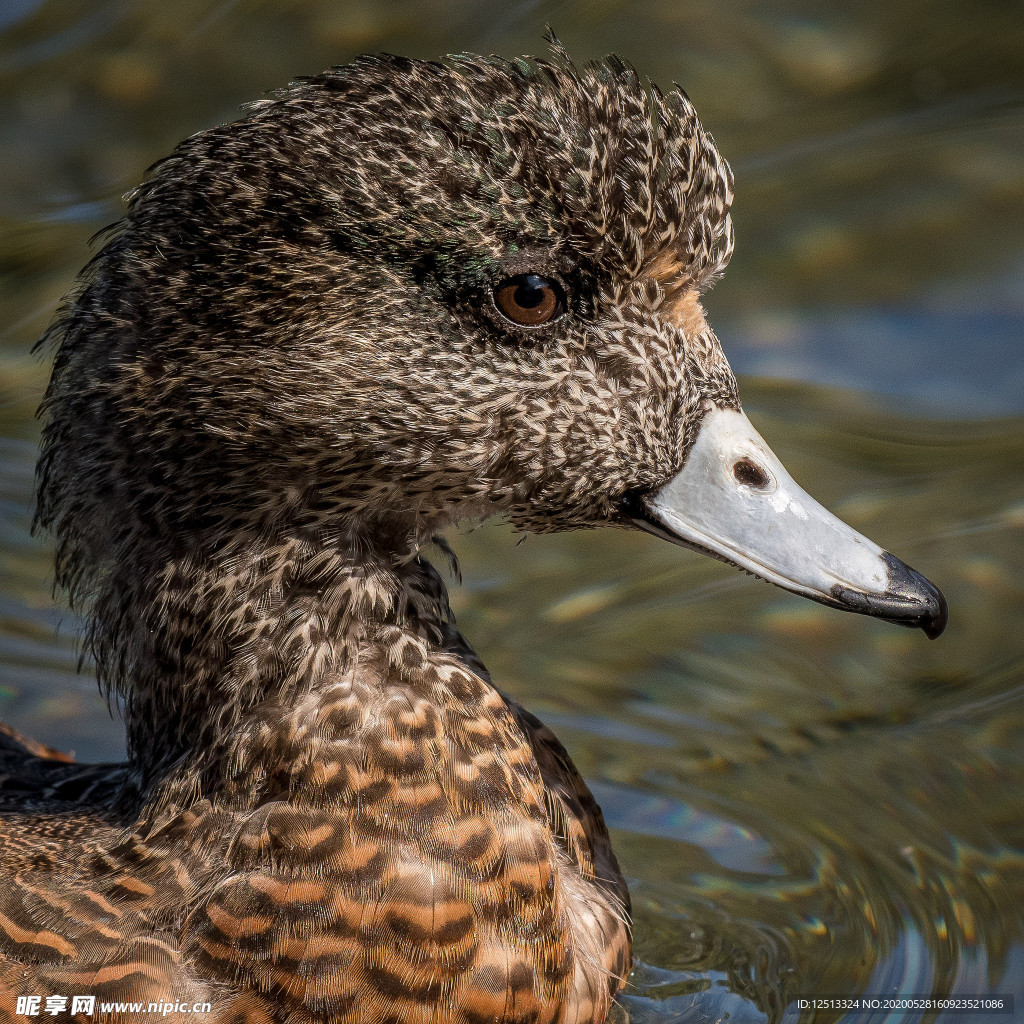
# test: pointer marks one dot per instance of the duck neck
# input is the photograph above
(233, 642)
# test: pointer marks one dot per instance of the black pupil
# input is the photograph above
(531, 292)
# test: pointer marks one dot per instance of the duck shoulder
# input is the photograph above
(422, 843)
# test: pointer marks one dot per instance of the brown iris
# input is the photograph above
(530, 300)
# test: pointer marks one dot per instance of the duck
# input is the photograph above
(394, 297)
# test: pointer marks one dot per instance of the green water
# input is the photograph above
(805, 802)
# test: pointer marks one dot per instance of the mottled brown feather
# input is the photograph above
(281, 377)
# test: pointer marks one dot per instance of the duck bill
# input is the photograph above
(735, 501)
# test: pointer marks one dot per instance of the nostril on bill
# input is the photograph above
(750, 474)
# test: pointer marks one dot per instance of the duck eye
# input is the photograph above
(530, 300)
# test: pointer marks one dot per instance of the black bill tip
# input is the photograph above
(911, 600)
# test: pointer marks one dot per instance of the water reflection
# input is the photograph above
(805, 802)
(919, 355)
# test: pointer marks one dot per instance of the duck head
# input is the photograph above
(400, 294)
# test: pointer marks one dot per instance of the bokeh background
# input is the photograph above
(805, 802)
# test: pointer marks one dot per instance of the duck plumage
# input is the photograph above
(291, 366)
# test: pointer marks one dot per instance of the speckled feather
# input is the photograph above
(280, 378)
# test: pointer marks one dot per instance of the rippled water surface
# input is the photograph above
(805, 802)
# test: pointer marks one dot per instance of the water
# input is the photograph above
(804, 802)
